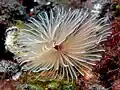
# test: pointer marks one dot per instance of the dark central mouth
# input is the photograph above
(58, 47)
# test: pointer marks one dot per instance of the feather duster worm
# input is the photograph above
(62, 44)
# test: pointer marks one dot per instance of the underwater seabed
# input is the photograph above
(59, 44)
